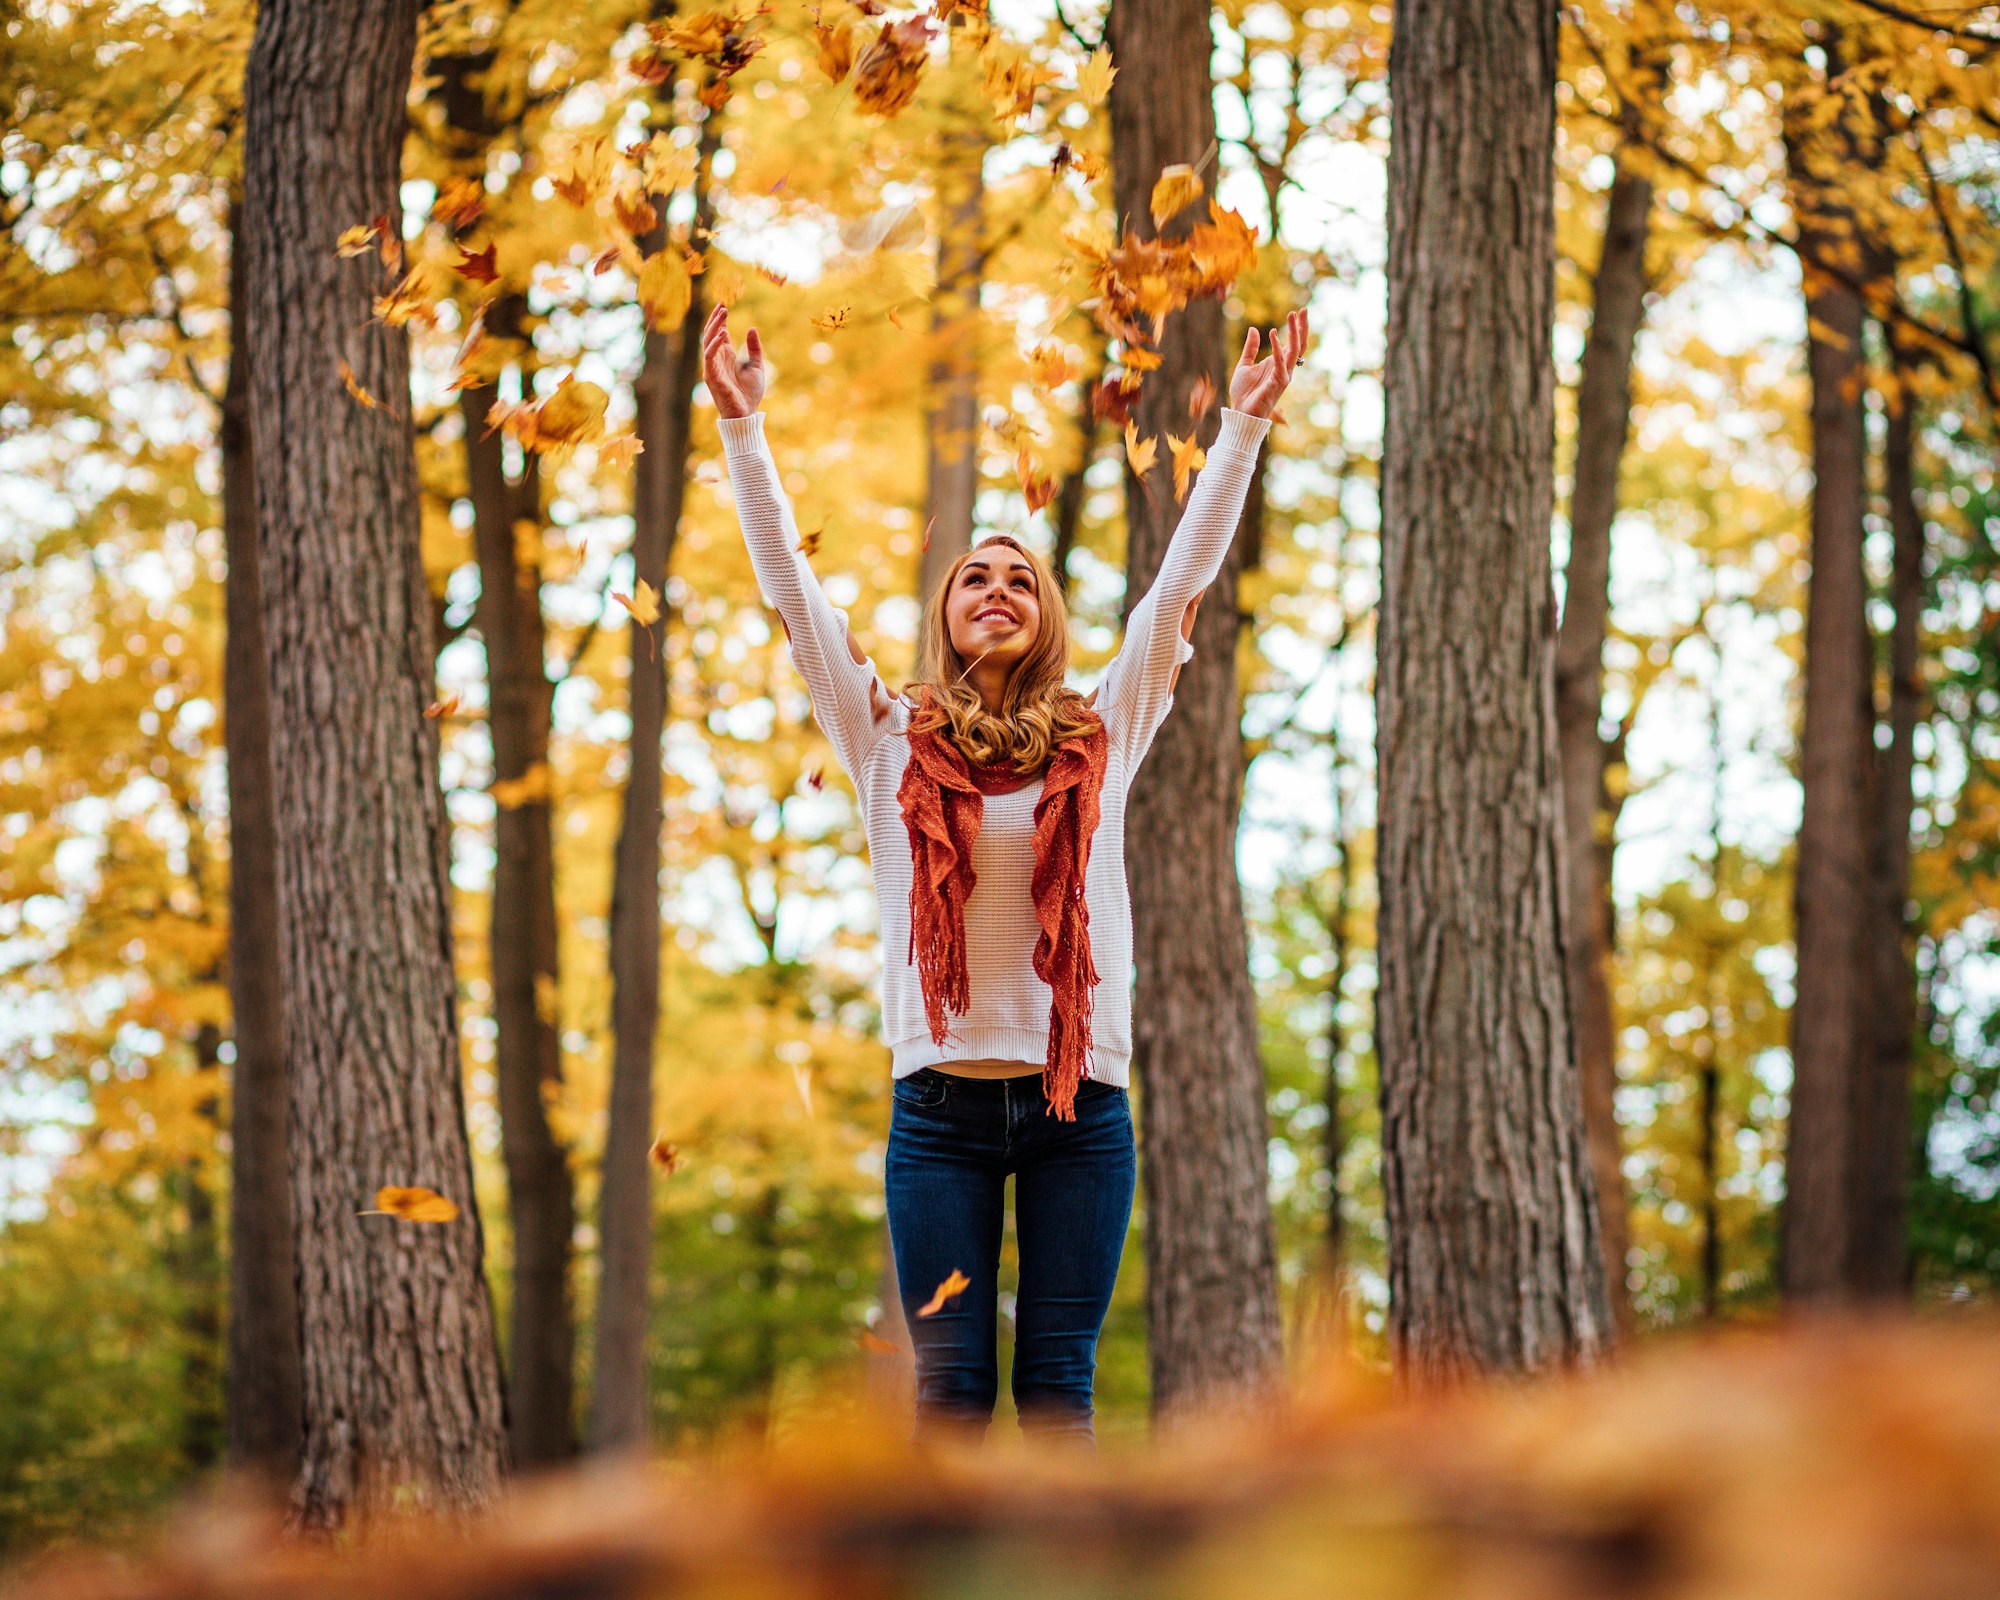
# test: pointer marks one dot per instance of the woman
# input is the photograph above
(994, 798)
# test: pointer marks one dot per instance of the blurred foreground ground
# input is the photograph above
(1859, 1459)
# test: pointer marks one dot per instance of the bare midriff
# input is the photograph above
(987, 1069)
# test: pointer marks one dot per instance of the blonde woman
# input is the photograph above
(994, 798)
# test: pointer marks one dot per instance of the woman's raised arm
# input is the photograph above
(848, 699)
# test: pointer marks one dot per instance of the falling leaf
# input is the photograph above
(1037, 487)
(929, 527)
(478, 266)
(957, 1283)
(725, 286)
(412, 1205)
(412, 299)
(891, 228)
(808, 545)
(1201, 398)
(1093, 78)
(643, 603)
(547, 999)
(665, 1156)
(885, 78)
(355, 241)
(802, 1081)
(1188, 457)
(816, 780)
(459, 202)
(665, 167)
(619, 452)
(836, 49)
(445, 707)
(896, 321)
(771, 275)
(531, 786)
(1178, 187)
(360, 395)
(1221, 249)
(1111, 402)
(1140, 453)
(1139, 359)
(833, 319)
(917, 271)
(665, 289)
(587, 171)
(633, 212)
(1011, 79)
(1053, 365)
(870, 1340)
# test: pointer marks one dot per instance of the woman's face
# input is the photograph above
(993, 609)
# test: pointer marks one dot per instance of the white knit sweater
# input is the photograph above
(869, 729)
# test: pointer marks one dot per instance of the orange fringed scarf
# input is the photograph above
(942, 797)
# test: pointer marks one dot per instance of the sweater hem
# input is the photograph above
(1030, 1046)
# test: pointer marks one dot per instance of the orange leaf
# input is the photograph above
(1179, 186)
(870, 1340)
(665, 1156)
(644, 604)
(412, 1205)
(459, 202)
(1037, 487)
(1188, 457)
(833, 319)
(957, 1283)
(1201, 398)
(442, 707)
(1141, 453)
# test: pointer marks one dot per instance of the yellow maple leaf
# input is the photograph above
(1053, 365)
(665, 289)
(1140, 453)
(532, 785)
(957, 1283)
(1093, 78)
(574, 414)
(412, 1204)
(1178, 186)
(1188, 457)
(833, 319)
(643, 603)
(836, 49)
(359, 395)
(355, 241)
(664, 166)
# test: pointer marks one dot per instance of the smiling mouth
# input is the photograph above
(988, 616)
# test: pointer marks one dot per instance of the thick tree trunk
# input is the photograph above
(1494, 1260)
(1604, 410)
(665, 394)
(1835, 895)
(951, 422)
(522, 939)
(402, 1393)
(1211, 1275)
(1879, 1260)
(262, 1379)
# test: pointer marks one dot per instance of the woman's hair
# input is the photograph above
(1037, 712)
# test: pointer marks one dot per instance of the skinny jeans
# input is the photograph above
(952, 1143)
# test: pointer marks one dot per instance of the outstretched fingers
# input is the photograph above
(755, 346)
(1249, 347)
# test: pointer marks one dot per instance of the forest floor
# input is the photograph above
(1848, 1459)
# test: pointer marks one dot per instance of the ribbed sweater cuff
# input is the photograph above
(1241, 431)
(741, 436)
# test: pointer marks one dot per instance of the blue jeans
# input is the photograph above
(952, 1142)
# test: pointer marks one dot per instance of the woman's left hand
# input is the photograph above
(1255, 386)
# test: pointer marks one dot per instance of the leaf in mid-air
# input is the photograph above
(665, 1155)
(1093, 78)
(833, 319)
(1141, 453)
(643, 603)
(1053, 365)
(1201, 398)
(1178, 187)
(445, 706)
(532, 785)
(1188, 458)
(478, 266)
(665, 289)
(957, 1283)
(1037, 487)
(412, 1204)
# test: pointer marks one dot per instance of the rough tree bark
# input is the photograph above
(402, 1398)
(1494, 1260)
(1879, 1261)
(1835, 895)
(1211, 1275)
(261, 1382)
(665, 396)
(1603, 423)
(521, 936)
(951, 423)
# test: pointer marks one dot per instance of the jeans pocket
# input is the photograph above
(1096, 1089)
(922, 1090)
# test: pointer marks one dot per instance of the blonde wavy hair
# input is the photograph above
(1038, 711)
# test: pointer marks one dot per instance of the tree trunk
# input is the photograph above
(1211, 1275)
(1604, 410)
(665, 395)
(522, 936)
(1835, 895)
(402, 1394)
(1494, 1260)
(1880, 1252)
(951, 423)
(262, 1381)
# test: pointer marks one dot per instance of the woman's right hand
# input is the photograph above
(736, 382)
